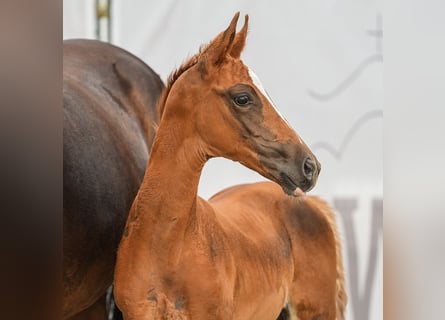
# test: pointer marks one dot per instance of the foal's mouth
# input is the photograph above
(292, 188)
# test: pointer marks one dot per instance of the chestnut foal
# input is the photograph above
(252, 249)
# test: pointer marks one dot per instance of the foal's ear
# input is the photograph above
(217, 50)
(240, 39)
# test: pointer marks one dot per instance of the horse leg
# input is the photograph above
(313, 294)
(311, 302)
(314, 291)
(114, 312)
(97, 311)
(284, 314)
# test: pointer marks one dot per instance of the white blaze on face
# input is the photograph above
(256, 81)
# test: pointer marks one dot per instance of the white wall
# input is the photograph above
(321, 62)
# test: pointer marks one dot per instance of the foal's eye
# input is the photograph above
(242, 100)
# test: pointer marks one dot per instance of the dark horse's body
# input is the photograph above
(109, 105)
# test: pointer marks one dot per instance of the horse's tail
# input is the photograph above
(341, 298)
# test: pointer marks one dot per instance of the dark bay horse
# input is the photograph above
(249, 251)
(110, 99)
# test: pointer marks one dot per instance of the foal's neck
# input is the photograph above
(168, 192)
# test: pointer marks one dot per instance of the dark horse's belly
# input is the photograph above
(109, 108)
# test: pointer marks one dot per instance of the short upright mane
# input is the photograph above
(175, 75)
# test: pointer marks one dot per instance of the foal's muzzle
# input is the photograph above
(310, 169)
(291, 165)
(303, 175)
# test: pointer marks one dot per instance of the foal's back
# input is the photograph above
(287, 246)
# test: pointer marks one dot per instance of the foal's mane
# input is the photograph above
(193, 60)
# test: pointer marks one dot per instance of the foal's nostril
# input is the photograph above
(309, 168)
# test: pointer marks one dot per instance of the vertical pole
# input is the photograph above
(103, 20)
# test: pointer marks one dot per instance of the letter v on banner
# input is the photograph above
(360, 300)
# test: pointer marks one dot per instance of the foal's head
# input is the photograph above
(233, 117)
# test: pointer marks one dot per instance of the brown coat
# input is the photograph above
(250, 250)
